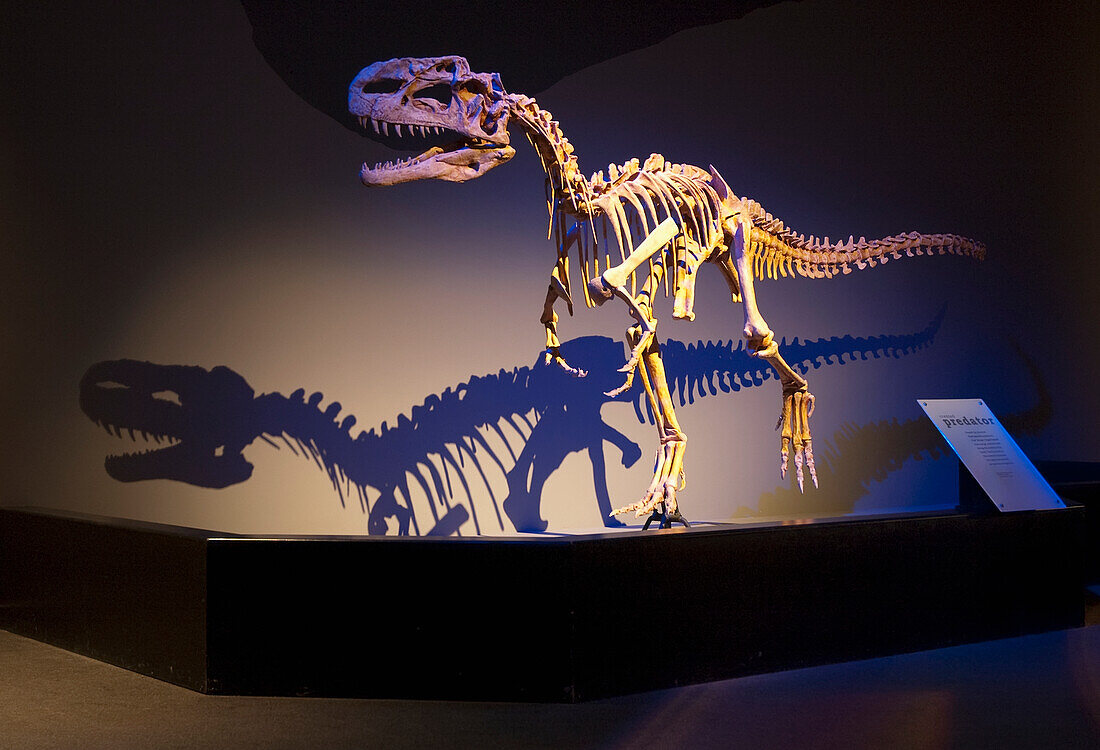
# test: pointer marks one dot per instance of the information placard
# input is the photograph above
(989, 452)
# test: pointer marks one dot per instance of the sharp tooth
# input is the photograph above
(374, 124)
(385, 128)
(398, 129)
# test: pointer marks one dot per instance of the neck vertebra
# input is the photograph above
(572, 193)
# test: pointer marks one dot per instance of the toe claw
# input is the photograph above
(794, 422)
(621, 389)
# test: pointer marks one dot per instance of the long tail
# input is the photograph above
(778, 251)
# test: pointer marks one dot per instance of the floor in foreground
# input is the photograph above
(1036, 691)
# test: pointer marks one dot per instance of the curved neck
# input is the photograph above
(571, 191)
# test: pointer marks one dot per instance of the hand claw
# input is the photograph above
(622, 388)
(553, 355)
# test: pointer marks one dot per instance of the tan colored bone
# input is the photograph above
(658, 238)
(701, 213)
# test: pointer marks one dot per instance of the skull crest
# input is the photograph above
(456, 119)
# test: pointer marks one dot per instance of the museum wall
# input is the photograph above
(168, 199)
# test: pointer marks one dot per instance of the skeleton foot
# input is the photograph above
(794, 421)
(664, 495)
(668, 479)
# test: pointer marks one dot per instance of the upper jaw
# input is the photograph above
(383, 129)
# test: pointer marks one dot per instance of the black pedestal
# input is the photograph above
(1077, 482)
(528, 619)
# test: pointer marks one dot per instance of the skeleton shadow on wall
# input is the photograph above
(445, 449)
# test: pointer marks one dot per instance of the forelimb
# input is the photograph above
(549, 319)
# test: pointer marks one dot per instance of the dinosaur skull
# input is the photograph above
(456, 119)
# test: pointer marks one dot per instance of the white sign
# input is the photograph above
(989, 452)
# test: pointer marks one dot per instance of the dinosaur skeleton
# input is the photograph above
(666, 219)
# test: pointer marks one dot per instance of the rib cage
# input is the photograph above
(638, 198)
(629, 207)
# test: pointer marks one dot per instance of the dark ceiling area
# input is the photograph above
(318, 47)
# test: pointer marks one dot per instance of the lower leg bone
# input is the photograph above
(668, 470)
(798, 402)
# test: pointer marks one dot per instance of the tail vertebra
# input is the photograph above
(775, 247)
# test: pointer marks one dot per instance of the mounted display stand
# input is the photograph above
(551, 618)
(664, 518)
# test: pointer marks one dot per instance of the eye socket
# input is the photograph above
(381, 86)
(441, 92)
